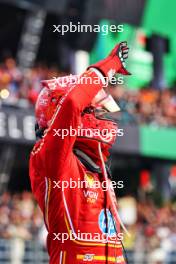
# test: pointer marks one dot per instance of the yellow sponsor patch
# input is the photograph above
(89, 178)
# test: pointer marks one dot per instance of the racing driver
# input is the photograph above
(81, 219)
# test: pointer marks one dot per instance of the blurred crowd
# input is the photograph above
(144, 106)
(153, 236)
(20, 217)
(16, 85)
(21, 222)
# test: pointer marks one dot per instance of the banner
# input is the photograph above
(17, 125)
(158, 142)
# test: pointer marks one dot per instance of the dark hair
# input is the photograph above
(39, 131)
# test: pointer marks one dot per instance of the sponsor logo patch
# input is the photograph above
(88, 257)
(107, 226)
(90, 196)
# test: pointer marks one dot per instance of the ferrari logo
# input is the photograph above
(90, 179)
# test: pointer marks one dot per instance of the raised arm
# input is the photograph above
(68, 112)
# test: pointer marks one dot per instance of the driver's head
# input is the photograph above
(95, 127)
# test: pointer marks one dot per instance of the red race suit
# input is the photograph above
(79, 220)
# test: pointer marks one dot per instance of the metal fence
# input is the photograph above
(32, 252)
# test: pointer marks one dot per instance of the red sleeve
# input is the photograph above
(68, 115)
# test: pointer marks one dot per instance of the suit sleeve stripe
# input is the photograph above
(47, 198)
